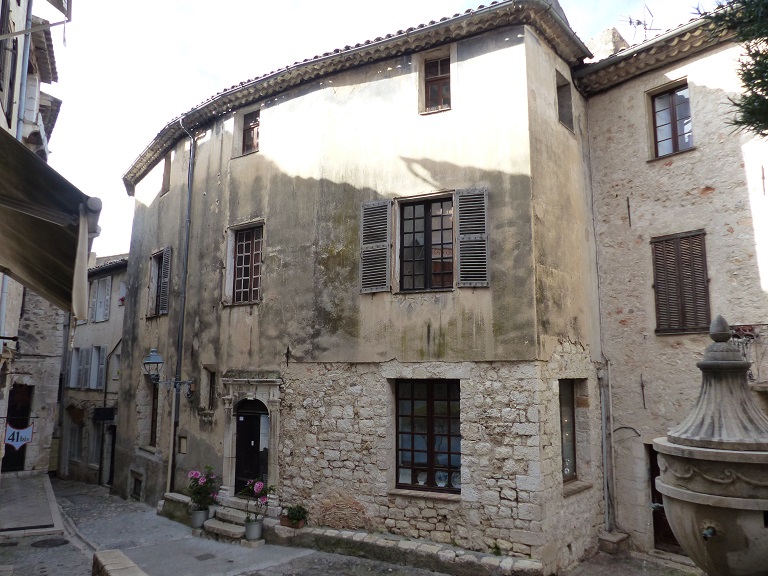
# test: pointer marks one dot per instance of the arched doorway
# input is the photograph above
(252, 442)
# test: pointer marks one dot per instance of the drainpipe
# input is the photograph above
(180, 334)
(24, 68)
(104, 405)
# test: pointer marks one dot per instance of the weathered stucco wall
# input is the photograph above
(563, 236)
(654, 379)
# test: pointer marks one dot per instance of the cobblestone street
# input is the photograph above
(94, 520)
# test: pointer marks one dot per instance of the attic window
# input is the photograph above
(251, 132)
(564, 101)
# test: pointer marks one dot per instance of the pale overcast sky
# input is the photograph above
(129, 68)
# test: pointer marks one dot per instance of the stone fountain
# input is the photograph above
(714, 468)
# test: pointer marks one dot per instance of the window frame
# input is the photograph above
(230, 276)
(429, 247)
(75, 441)
(100, 299)
(239, 129)
(568, 447)
(671, 284)
(430, 468)
(564, 101)
(421, 60)
(158, 288)
(669, 90)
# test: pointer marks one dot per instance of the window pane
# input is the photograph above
(661, 102)
(405, 407)
(441, 408)
(440, 426)
(405, 424)
(406, 442)
(664, 132)
(665, 147)
(432, 68)
(420, 389)
(663, 117)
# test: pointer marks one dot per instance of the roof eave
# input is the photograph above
(672, 46)
(538, 14)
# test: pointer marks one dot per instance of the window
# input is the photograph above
(247, 265)
(437, 84)
(94, 452)
(166, 185)
(87, 368)
(568, 429)
(680, 282)
(672, 121)
(101, 291)
(116, 367)
(426, 257)
(564, 101)
(251, 132)
(428, 435)
(75, 441)
(210, 392)
(159, 280)
(425, 248)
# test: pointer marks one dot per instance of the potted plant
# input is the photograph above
(294, 516)
(257, 494)
(202, 491)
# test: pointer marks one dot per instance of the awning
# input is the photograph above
(45, 224)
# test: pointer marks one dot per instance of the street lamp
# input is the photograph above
(152, 366)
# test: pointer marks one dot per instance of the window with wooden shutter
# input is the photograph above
(375, 239)
(472, 216)
(680, 282)
(159, 282)
(84, 360)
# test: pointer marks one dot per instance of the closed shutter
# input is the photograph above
(107, 296)
(74, 368)
(680, 282)
(85, 364)
(94, 294)
(102, 368)
(375, 240)
(472, 216)
(165, 281)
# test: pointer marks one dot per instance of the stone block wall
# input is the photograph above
(337, 437)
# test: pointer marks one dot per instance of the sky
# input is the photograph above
(128, 68)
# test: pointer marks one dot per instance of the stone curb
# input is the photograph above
(400, 550)
(114, 563)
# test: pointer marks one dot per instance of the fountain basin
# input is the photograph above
(716, 502)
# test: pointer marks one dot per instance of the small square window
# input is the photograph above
(672, 127)
(564, 101)
(437, 84)
(251, 132)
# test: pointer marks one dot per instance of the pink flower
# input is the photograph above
(263, 499)
(201, 481)
(258, 487)
(194, 474)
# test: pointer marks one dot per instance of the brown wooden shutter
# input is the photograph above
(681, 285)
(165, 281)
(375, 240)
(472, 217)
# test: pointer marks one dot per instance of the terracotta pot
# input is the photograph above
(285, 521)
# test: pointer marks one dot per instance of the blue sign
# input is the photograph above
(17, 438)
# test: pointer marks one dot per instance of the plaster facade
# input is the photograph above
(90, 386)
(322, 358)
(716, 187)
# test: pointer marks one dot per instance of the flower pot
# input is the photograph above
(253, 529)
(285, 521)
(198, 517)
(212, 510)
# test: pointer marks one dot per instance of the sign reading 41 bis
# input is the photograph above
(18, 437)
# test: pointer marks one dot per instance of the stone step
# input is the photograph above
(224, 530)
(231, 515)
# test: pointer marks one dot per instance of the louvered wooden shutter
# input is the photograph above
(85, 365)
(472, 216)
(375, 239)
(94, 296)
(107, 296)
(165, 281)
(102, 367)
(680, 281)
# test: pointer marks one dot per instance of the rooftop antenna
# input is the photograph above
(646, 24)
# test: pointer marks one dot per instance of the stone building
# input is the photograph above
(681, 217)
(335, 348)
(46, 227)
(92, 377)
(388, 290)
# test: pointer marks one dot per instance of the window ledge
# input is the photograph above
(657, 158)
(246, 154)
(150, 449)
(424, 291)
(444, 496)
(230, 303)
(760, 387)
(428, 112)
(681, 332)
(575, 486)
